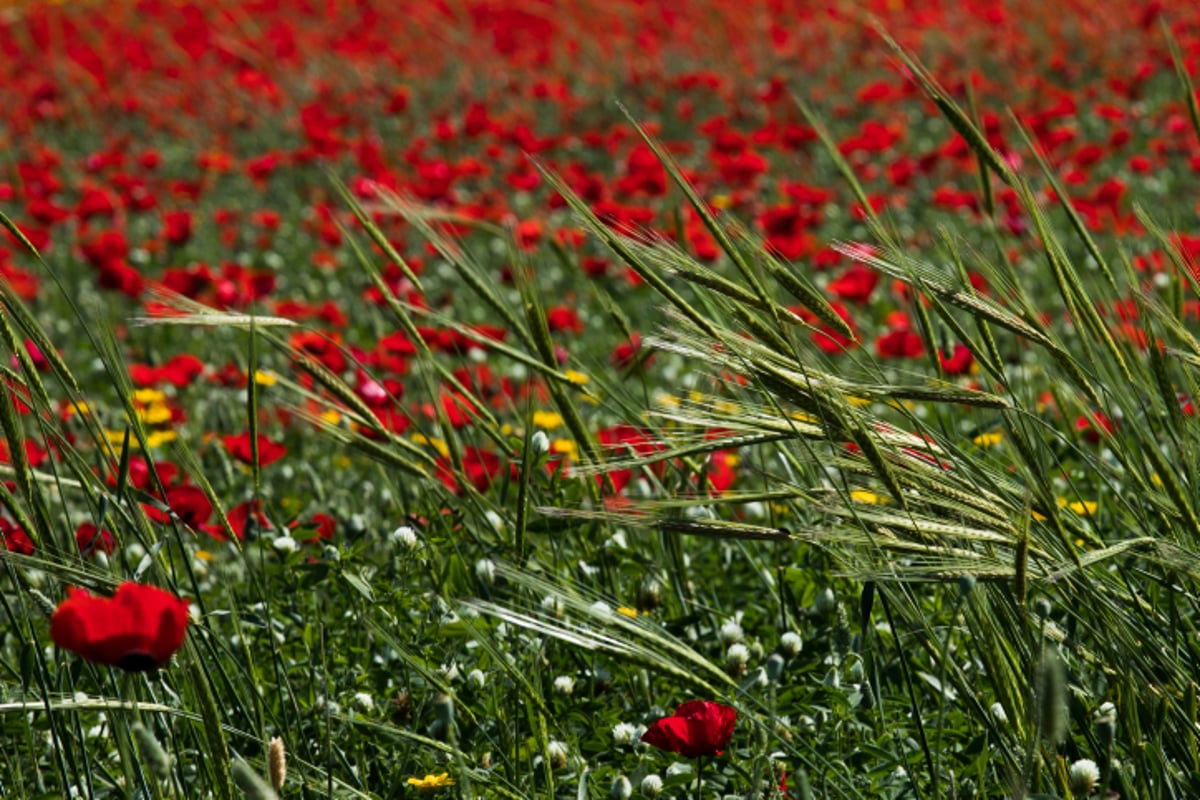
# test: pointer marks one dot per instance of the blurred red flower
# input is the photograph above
(137, 629)
(697, 728)
(92, 540)
(268, 451)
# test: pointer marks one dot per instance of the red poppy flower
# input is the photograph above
(697, 728)
(137, 629)
(189, 503)
(92, 540)
(268, 451)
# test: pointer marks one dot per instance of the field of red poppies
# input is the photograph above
(533, 399)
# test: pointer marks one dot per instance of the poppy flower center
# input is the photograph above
(137, 661)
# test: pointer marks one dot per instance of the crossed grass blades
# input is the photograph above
(1001, 573)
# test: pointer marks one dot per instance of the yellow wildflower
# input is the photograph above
(154, 414)
(576, 377)
(988, 439)
(626, 611)
(863, 496)
(1084, 508)
(159, 438)
(431, 783)
(565, 446)
(148, 397)
(547, 420)
(437, 444)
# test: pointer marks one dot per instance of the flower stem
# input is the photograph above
(700, 778)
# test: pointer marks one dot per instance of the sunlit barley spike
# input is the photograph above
(250, 782)
(276, 763)
(1051, 696)
(157, 762)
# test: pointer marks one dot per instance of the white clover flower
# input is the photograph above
(557, 752)
(485, 571)
(285, 544)
(406, 537)
(1082, 777)
(736, 657)
(564, 684)
(625, 733)
(652, 786)
(476, 678)
(621, 789)
(730, 633)
(539, 443)
(790, 644)
(364, 701)
(998, 713)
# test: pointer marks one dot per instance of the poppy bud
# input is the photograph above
(250, 782)
(824, 603)
(621, 789)
(774, 667)
(155, 757)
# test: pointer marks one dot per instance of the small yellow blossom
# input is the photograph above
(547, 420)
(148, 397)
(667, 400)
(264, 378)
(331, 416)
(80, 407)
(204, 555)
(626, 611)
(863, 496)
(988, 439)
(1084, 508)
(722, 202)
(154, 414)
(159, 438)
(576, 377)
(437, 444)
(431, 783)
(564, 446)
(858, 401)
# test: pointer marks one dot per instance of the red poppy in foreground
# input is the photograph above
(697, 728)
(137, 629)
